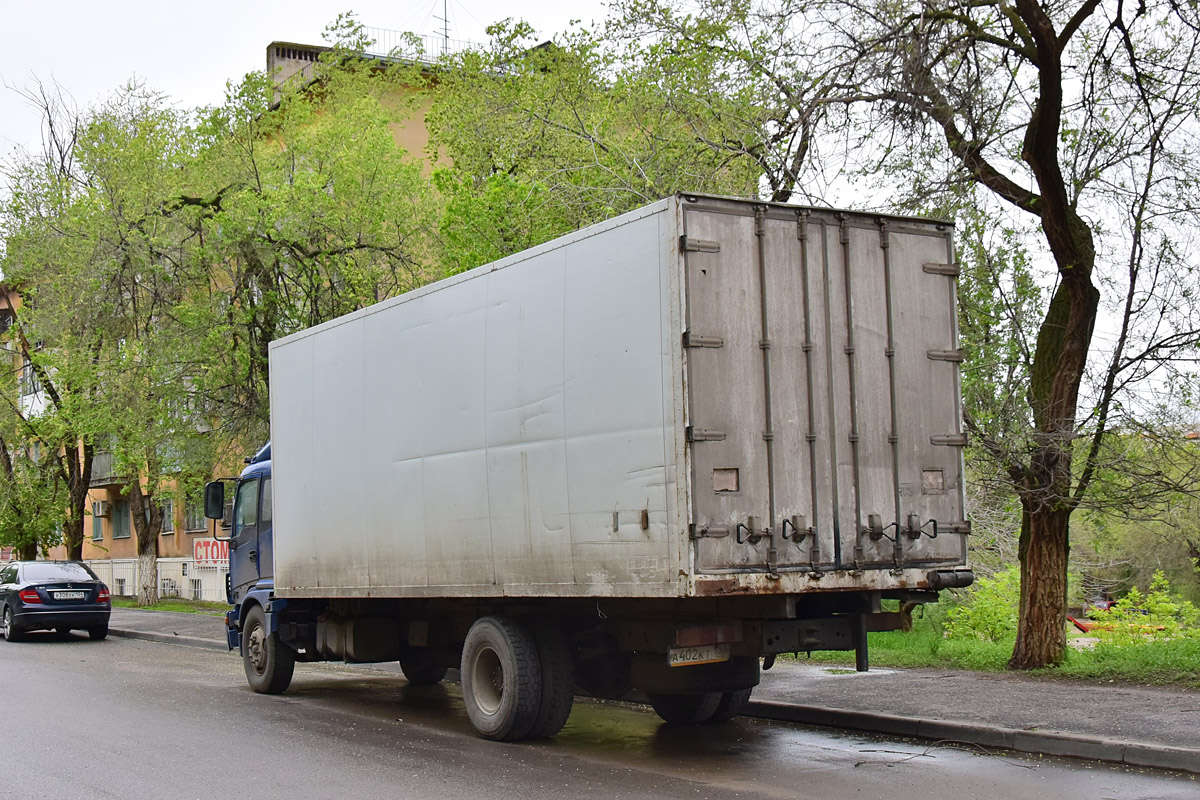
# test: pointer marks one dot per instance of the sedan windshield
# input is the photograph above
(57, 572)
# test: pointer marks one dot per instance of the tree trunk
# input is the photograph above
(147, 578)
(1041, 627)
(147, 521)
(73, 535)
(79, 481)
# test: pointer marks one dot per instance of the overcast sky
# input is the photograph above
(188, 50)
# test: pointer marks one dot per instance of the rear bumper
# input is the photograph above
(44, 619)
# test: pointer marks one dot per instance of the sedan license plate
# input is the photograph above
(70, 595)
(703, 654)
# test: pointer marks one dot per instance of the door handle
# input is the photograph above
(254, 555)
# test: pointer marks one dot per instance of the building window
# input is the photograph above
(168, 516)
(193, 513)
(120, 519)
(97, 522)
(29, 379)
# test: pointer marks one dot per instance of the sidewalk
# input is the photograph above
(1139, 726)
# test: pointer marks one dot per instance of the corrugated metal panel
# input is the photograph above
(818, 407)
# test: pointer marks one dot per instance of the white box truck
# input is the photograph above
(652, 454)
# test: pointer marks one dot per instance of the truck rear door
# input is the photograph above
(821, 366)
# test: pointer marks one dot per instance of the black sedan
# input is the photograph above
(52, 595)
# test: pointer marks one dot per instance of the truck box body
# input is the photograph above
(703, 397)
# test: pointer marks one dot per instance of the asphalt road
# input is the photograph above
(128, 719)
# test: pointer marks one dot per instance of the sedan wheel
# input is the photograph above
(11, 634)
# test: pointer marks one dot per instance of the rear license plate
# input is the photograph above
(69, 595)
(704, 654)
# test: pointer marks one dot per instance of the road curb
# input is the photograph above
(1117, 751)
(168, 638)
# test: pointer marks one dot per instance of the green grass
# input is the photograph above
(1165, 663)
(176, 604)
(924, 647)
(1174, 662)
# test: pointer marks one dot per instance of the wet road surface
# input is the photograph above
(124, 718)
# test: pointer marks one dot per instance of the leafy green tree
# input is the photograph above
(31, 508)
(536, 141)
(159, 254)
(1076, 121)
(307, 210)
(103, 279)
(37, 226)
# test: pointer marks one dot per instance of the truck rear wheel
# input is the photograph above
(685, 709)
(731, 705)
(420, 669)
(501, 679)
(269, 663)
(558, 681)
(654, 675)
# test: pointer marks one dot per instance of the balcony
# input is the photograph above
(405, 46)
(103, 470)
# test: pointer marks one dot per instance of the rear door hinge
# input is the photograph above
(692, 340)
(701, 435)
(953, 270)
(688, 245)
(708, 531)
(949, 440)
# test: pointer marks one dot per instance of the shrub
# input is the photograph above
(1158, 614)
(990, 612)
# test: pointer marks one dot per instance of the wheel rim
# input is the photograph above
(256, 652)
(487, 680)
(7, 622)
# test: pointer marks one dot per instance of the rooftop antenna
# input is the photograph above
(445, 18)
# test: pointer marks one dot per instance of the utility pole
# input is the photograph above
(445, 18)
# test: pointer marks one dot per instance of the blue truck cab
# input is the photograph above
(250, 582)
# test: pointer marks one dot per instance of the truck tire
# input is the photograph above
(501, 678)
(269, 663)
(653, 675)
(731, 705)
(558, 681)
(420, 669)
(685, 709)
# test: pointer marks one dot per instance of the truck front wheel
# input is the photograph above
(501, 678)
(269, 662)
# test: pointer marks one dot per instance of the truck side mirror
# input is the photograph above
(214, 499)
